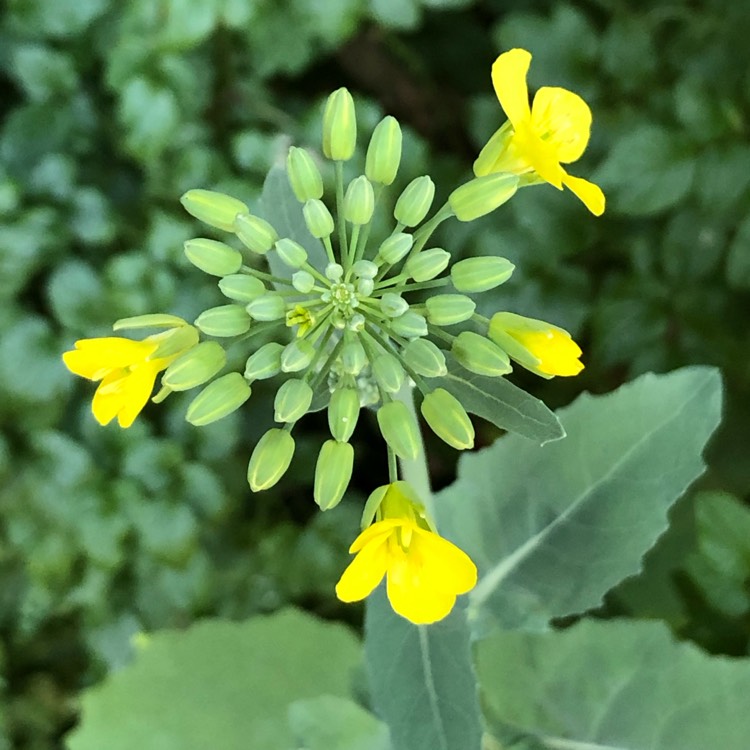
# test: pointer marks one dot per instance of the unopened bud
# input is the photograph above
(218, 399)
(414, 203)
(365, 269)
(384, 151)
(410, 325)
(292, 400)
(224, 321)
(195, 366)
(339, 126)
(318, 218)
(449, 309)
(265, 362)
(304, 175)
(216, 209)
(291, 253)
(393, 305)
(482, 195)
(425, 358)
(269, 306)
(255, 233)
(399, 429)
(448, 419)
(270, 459)
(388, 372)
(343, 413)
(149, 320)
(428, 264)
(174, 341)
(395, 247)
(297, 355)
(353, 357)
(480, 355)
(334, 271)
(480, 274)
(240, 287)
(303, 281)
(333, 472)
(359, 201)
(212, 257)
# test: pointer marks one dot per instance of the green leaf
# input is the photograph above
(219, 684)
(401, 14)
(738, 259)
(422, 679)
(330, 723)
(502, 403)
(553, 529)
(611, 686)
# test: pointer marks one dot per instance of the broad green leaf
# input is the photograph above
(552, 529)
(218, 685)
(617, 685)
(422, 679)
(502, 403)
(330, 723)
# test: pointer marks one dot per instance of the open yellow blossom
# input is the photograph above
(538, 346)
(424, 572)
(536, 141)
(126, 370)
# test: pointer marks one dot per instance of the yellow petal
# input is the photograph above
(563, 120)
(373, 532)
(364, 573)
(93, 358)
(540, 155)
(509, 79)
(138, 387)
(557, 352)
(411, 599)
(445, 567)
(589, 194)
(108, 399)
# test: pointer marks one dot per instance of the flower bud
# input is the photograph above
(149, 320)
(195, 366)
(292, 400)
(318, 218)
(270, 459)
(365, 287)
(414, 203)
(393, 305)
(359, 201)
(212, 257)
(224, 321)
(480, 274)
(303, 281)
(241, 287)
(449, 309)
(304, 176)
(333, 472)
(428, 264)
(365, 269)
(265, 362)
(269, 306)
(225, 395)
(384, 151)
(334, 272)
(255, 233)
(399, 429)
(353, 357)
(339, 126)
(216, 209)
(410, 325)
(448, 419)
(425, 358)
(343, 413)
(297, 355)
(174, 341)
(482, 195)
(480, 355)
(388, 372)
(291, 253)
(395, 247)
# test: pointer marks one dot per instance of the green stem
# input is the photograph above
(329, 249)
(392, 465)
(425, 231)
(480, 319)
(343, 246)
(433, 284)
(265, 276)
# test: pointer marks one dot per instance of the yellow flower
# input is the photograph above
(126, 371)
(536, 141)
(424, 572)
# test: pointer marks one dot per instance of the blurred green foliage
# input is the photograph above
(111, 110)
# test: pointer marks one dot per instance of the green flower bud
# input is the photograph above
(304, 176)
(292, 400)
(410, 325)
(428, 264)
(359, 201)
(388, 372)
(212, 257)
(255, 233)
(318, 218)
(195, 366)
(482, 195)
(225, 395)
(297, 355)
(149, 320)
(399, 429)
(339, 126)
(334, 272)
(265, 362)
(343, 413)
(414, 203)
(425, 358)
(333, 472)
(270, 459)
(448, 419)
(395, 248)
(291, 253)
(393, 305)
(365, 269)
(480, 274)
(365, 287)
(384, 151)
(240, 287)
(224, 321)
(353, 357)
(480, 355)
(216, 209)
(448, 309)
(175, 341)
(269, 306)
(303, 281)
